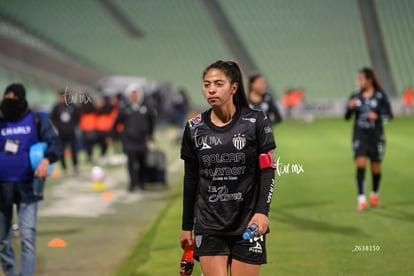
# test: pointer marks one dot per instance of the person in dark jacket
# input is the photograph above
(138, 124)
(20, 129)
(65, 117)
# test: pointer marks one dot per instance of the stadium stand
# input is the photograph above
(20, 35)
(396, 22)
(300, 44)
(39, 95)
(172, 49)
(314, 45)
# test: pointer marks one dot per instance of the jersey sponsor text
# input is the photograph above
(221, 193)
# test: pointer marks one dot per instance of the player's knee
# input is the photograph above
(376, 167)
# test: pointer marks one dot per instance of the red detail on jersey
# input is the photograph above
(266, 160)
(196, 120)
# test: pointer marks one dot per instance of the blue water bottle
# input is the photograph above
(251, 232)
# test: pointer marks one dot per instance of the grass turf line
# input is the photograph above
(142, 251)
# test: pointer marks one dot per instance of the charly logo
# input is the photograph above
(239, 141)
(205, 146)
(257, 248)
(198, 240)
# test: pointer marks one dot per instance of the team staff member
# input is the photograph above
(260, 100)
(371, 108)
(19, 130)
(65, 117)
(229, 176)
(138, 123)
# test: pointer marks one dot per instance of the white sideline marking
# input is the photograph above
(74, 198)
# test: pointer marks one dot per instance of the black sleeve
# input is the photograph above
(191, 178)
(385, 109)
(49, 135)
(267, 186)
(349, 111)
(276, 118)
(54, 115)
(187, 145)
(265, 137)
(150, 118)
(267, 176)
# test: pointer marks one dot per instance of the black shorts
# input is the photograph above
(246, 251)
(373, 149)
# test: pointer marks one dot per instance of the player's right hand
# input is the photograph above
(352, 103)
(42, 168)
(186, 237)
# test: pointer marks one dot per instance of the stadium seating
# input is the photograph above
(314, 45)
(317, 45)
(178, 37)
(39, 95)
(19, 34)
(396, 22)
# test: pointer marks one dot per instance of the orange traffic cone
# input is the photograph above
(57, 242)
(107, 196)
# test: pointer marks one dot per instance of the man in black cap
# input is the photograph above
(65, 117)
(19, 130)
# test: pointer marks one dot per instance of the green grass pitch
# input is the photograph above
(315, 226)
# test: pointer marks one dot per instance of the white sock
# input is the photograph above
(374, 193)
(361, 198)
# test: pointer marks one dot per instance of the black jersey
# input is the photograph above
(379, 104)
(229, 174)
(269, 107)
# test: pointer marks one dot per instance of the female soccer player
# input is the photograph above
(229, 176)
(371, 108)
(260, 100)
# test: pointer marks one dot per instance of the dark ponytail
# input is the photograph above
(233, 72)
(369, 74)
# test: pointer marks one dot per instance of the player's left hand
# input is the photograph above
(41, 170)
(372, 116)
(262, 221)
